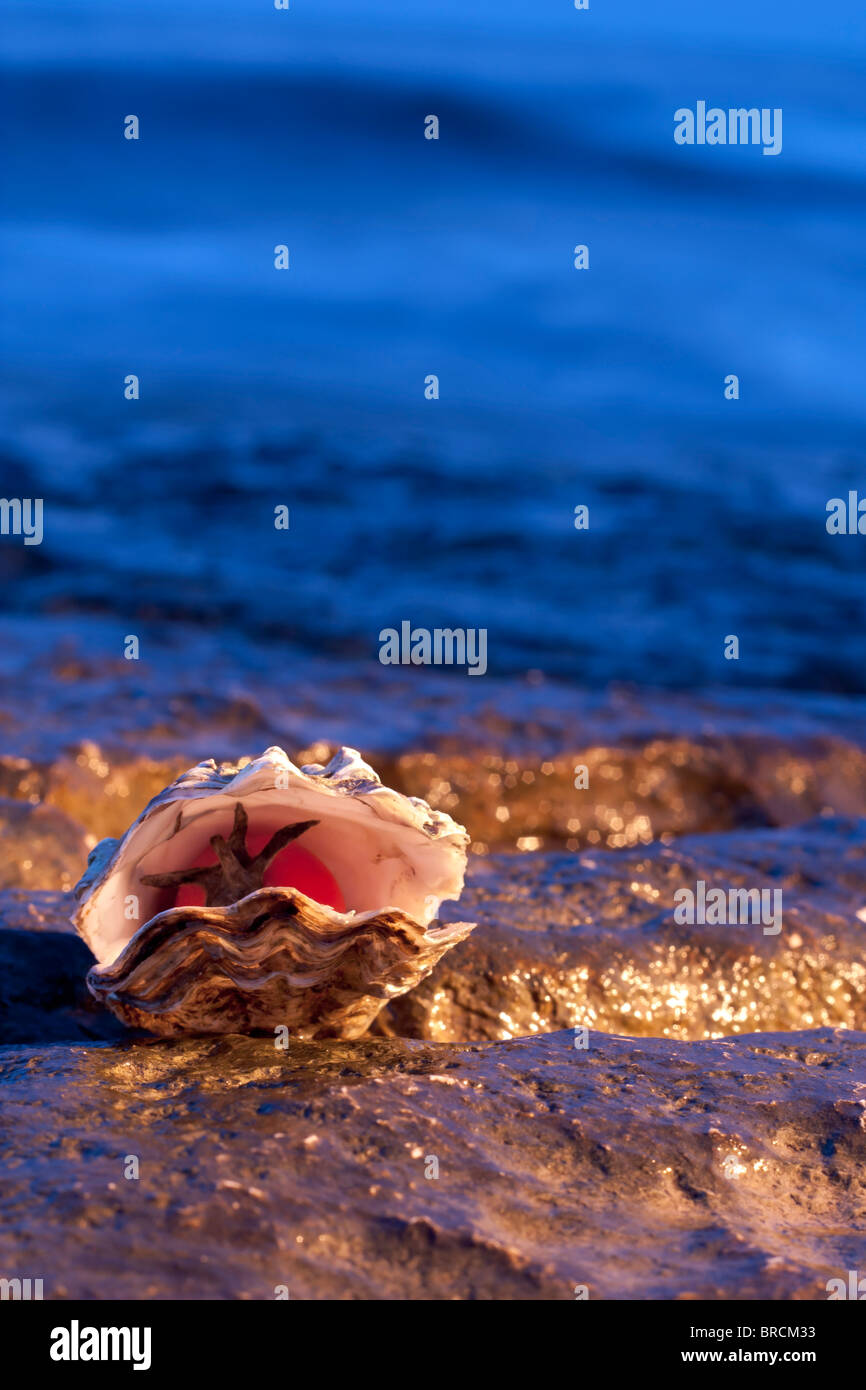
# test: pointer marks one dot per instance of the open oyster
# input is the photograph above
(244, 898)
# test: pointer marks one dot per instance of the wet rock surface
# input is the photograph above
(43, 996)
(42, 847)
(707, 1143)
(502, 759)
(591, 939)
(640, 1168)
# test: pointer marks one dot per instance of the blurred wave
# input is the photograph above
(453, 257)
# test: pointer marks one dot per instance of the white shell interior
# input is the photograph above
(384, 850)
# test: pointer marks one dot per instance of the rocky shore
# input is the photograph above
(585, 1098)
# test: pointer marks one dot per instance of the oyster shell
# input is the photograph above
(254, 955)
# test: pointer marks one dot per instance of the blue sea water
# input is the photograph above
(454, 257)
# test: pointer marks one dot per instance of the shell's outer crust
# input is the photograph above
(274, 958)
(345, 776)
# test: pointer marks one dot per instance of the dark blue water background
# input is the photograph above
(453, 257)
